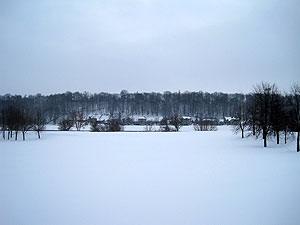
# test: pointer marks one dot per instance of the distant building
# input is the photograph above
(230, 120)
(142, 120)
(186, 120)
(127, 121)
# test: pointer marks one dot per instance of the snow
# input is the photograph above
(131, 128)
(148, 178)
(147, 117)
(54, 127)
(139, 128)
(51, 127)
(228, 118)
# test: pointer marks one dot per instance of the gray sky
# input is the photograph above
(49, 46)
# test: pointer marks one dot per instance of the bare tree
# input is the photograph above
(65, 125)
(9, 120)
(263, 98)
(287, 118)
(295, 113)
(26, 121)
(241, 121)
(14, 121)
(39, 122)
(252, 114)
(3, 122)
(277, 115)
(176, 122)
(96, 126)
(164, 125)
(114, 125)
(78, 119)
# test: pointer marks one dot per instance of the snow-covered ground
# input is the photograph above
(148, 178)
(137, 128)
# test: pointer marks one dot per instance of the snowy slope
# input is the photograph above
(148, 178)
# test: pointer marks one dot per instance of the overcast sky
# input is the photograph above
(50, 46)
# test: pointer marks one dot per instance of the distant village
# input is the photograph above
(152, 120)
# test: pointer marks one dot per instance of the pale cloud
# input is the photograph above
(139, 21)
(147, 45)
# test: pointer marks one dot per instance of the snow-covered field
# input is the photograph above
(195, 178)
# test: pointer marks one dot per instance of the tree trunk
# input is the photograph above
(277, 133)
(265, 142)
(23, 135)
(16, 137)
(253, 130)
(265, 138)
(39, 134)
(11, 133)
(298, 141)
(8, 135)
(3, 134)
(285, 133)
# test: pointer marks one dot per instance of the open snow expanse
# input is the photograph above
(195, 178)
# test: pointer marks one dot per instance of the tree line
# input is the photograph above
(167, 104)
(265, 111)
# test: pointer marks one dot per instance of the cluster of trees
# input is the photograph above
(79, 120)
(167, 104)
(112, 125)
(172, 124)
(70, 110)
(75, 118)
(21, 119)
(205, 125)
(266, 112)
